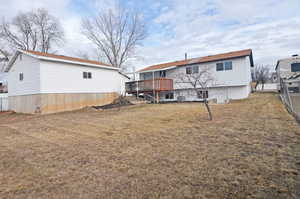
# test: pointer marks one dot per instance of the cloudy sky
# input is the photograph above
(199, 27)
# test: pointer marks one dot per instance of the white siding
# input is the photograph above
(57, 77)
(227, 84)
(239, 75)
(31, 83)
(221, 94)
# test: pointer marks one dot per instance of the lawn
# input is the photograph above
(250, 150)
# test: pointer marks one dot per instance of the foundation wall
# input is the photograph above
(58, 102)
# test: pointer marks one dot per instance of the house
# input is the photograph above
(47, 83)
(288, 71)
(231, 73)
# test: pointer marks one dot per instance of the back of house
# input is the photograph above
(48, 83)
(231, 73)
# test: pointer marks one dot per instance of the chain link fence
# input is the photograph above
(290, 95)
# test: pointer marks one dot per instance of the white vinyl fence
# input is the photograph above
(3, 102)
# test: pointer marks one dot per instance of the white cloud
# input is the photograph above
(215, 26)
(269, 27)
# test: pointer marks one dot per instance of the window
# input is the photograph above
(294, 89)
(87, 75)
(228, 65)
(169, 96)
(220, 67)
(162, 73)
(21, 76)
(202, 94)
(224, 66)
(192, 70)
(188, 70)
(295, 67)
(195, 69)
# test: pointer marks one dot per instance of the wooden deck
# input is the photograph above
(161, 84)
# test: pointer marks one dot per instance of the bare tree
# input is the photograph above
(49, 28)
(19, 33)
(116, 33)
(197, 83)
(261, 75)
(82, 54)
(35, 30)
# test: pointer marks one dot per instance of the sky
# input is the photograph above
(271, 28)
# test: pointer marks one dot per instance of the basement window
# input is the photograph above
(202, 94)
(169, 96)
(21, 76)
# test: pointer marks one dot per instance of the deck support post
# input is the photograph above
(153, 87)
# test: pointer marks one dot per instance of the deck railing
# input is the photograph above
(161, 84)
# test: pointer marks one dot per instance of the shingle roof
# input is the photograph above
(229, 55)
(62, 57)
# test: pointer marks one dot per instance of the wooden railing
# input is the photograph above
(161, 84)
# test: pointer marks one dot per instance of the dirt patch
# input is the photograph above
(250, 150)
(117, 103)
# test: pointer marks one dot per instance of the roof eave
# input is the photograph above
(70, 62)
(155, 70)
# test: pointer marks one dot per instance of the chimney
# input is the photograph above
(185, 56)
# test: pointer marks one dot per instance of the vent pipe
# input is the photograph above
(185, 56)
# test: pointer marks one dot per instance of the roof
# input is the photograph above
(218, 57)
(59, 58)
(62, 57)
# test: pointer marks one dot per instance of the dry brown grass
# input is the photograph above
(250, 150)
